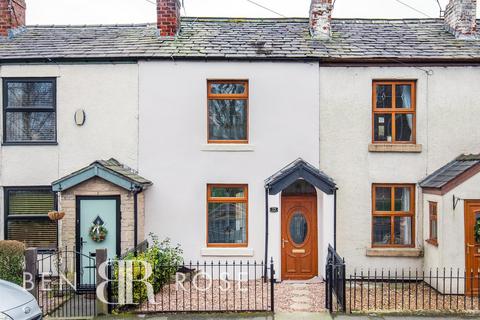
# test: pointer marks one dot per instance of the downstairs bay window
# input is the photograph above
(26, 216)
(393, 215)
(227, 207)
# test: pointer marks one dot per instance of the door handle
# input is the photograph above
(283, 243)
(469, 246)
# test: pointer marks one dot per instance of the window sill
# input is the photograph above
(226, 252)
(228, 147)
(394, 252)
(433, 242)
(390, 147)
(53, 143)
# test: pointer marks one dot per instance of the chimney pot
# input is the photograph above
(461, 18)
(321, 19)
(168, 17)
(12, 16)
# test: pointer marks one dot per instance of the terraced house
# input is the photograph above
(247, 138)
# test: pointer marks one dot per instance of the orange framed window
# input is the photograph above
(394, 112)
(433, 223)
(393, 219)
(227, 215)
(227, 111)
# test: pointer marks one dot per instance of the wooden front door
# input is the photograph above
(472, 246)
(299, 237)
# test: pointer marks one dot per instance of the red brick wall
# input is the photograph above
(168, 17)
(321, 18)
(460, 18)
(12, 15)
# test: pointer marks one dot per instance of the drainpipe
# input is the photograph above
(335, 219)
(266, 233)
(136, 191)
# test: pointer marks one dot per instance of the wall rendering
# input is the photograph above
(174, 154)
(108, 93)
(446, 103)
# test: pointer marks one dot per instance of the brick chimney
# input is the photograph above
(12, 16)
(321, 19)
(168, 17)
(460, 18)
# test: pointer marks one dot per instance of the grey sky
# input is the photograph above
(137, 11)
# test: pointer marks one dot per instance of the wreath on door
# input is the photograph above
(98, 232)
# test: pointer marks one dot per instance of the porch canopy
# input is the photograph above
(110, 170)
(299, 169)
(451, 175)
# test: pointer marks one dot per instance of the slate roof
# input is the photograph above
(299, 169)
(121, 169)
(450, 171)
(115, 171)
(230, 38)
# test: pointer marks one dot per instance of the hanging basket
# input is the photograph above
(56, 215)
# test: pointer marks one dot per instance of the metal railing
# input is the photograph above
(335, 297)
(193, 287)
(65, 284)
(451, 290)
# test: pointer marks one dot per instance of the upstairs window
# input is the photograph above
(393, 215)
(394, 112)
(227, 111)
(26, 212)
(29, 114)
(227, 215)
(433, 223)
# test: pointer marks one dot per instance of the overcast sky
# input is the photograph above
(138, 11)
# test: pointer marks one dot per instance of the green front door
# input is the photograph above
(97, 223)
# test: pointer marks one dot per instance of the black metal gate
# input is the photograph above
(335, 299)
(61, 292)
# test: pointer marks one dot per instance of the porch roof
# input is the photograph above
(300, 169)
(110, 170)
(452, 174)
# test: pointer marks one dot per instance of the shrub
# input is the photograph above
(12, 256)
(164, 260)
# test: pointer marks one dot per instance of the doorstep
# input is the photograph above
(303, 316)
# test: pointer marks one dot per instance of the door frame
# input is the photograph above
(315, 235)
(467, 204)
(78, 222)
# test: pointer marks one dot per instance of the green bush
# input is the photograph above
(12, 256)
(164, 260)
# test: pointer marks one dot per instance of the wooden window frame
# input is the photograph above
(392, 213)
(244, 96)
(7, 216)
(432, 216)
(244, 199)
(394, 110)
(5, 142)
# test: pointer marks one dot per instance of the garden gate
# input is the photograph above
(335, 282)
(63, 288)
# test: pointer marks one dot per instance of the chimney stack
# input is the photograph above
(168, 17)
(321, 19)
(461, 18)
(12, 16)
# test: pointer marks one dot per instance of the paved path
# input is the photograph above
(300, 296)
